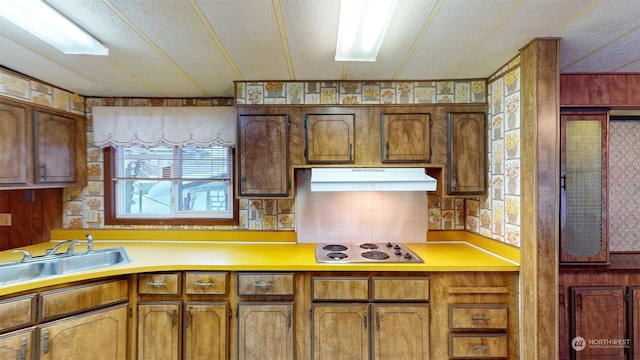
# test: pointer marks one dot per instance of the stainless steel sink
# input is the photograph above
(40, 267)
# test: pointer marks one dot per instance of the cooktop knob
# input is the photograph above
(397, 247)
(407, 256)
(389, 244)
(398, 252)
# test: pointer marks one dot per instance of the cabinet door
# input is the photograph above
(406, 138)
(400, 332)
(263, 148)
(330, 138)
(467, 153)
(634, 321)
(159, 330)
(598, 314)
(17, 345)
(55, 147)
(583, 187)
(265, 330)
(13, 144)
(206, 328)
(100, 335)
(341, 331)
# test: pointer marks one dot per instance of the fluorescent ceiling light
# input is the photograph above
(361, 28)
(43, 21)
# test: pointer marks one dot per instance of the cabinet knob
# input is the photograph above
(204, 284)
(43, 171)
(156, 283)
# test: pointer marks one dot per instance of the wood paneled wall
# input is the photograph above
(34, 213)
(617, 90)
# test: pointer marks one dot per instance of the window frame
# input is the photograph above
(110, 217)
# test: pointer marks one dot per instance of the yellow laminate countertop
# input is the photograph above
(166, 255)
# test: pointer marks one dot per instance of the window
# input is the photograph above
(170, 185)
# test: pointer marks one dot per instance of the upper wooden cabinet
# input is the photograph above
(406, 138)
(263, 169)
(467, 153)
(55, 150)
(41, 148)
(330, 138)
(13, 144)
(583, 187)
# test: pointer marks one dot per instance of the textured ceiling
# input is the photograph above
(197, 48)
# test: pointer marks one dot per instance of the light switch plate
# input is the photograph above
(5, 219)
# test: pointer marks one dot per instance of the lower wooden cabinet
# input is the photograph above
(341, 331)
(400, 331)
(205, 331)
(278, 315)
(355, 325)
(265, 330)
(17, 345)
(598, 315)
(174, 324)
(478, 346)
(265, 315)
(359, 331)
(99, 335)
(159, 330)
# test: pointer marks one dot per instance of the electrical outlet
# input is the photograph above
(5, 219)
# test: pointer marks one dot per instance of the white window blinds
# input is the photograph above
(169, 126)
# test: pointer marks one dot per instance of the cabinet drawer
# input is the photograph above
(265, 284)
(17, 312)
(159, 283)
(205, 283)
(478, 346)
(61, 302)
(400, 289)
(478, 317)
(340, 288)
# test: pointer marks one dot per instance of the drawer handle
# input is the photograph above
(480, 318)
(479, 347)
(157, 284)
(263, 285)
(204, 284)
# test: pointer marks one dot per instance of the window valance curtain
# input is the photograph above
(122, 126)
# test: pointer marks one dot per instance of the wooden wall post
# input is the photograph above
(540, 134)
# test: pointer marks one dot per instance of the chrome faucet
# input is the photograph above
(71, 243)
(26, 255)
(89, 243)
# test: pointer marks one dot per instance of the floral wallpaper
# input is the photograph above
(498, 215)
(360, 92)
(20, 88)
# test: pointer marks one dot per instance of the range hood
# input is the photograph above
(371, 179)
